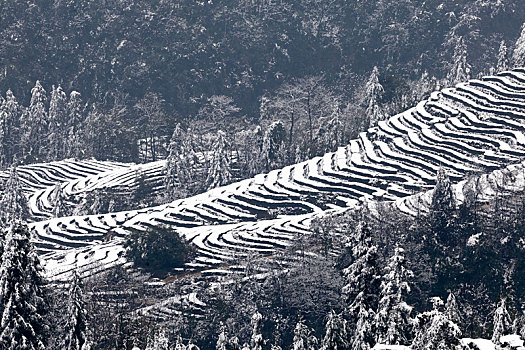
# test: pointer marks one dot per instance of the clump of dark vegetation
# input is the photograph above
(158, 249)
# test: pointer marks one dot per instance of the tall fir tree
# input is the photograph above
(434, 331)
(374, 92)
(10, 114)
(393, 318)
(442, 208)
(273, 152)
(220, 171)
(35, 124)
(13, 202)
(59, 205)
(180, 165)
(160, 341)
(518, 55)
(225, 342)
(363, 337)
(76, 325)
(503, 58)
(74, 147)
(23, 300)
(303, 337)
(336, 333)
(257, 340)
(56, 134)
(502, 322)
(460, 69)
(362, 277)
(452, 309)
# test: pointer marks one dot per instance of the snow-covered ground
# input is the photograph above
(474, 128)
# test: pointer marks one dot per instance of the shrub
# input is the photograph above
(158, 248)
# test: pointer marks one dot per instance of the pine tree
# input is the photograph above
(73, 127)
(160, 341)
(503, 60)
(59, 205)
(273, 152)
(13, 203)
(76, 326)
(363, 338)
(36, 124)
(502, 322)
(374, 92)
(442, 208)
(219, 171)
(518, 56)
(460, 70)
(22, 294)
(56, 124)
(257, 340)
(179, 344)
(362, 276)
(392, 320)
(10, 114)
(336, 335)
(434, 331)
(3, 133)
(303, 338)
(179, 165)
(224, 342)
(191, 346)
(452, 310)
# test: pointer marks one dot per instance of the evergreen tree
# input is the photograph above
(10, 113)
(434, 331)
(374, 92)
(392, 320)
(452, 310)
(160, 341)
(460, 70)
(59, 205)
(336, 335)
(363, 338)
(13, 202)
(179, 165)
(303, 338)
(56, 124)
(362, 276)
(219, 171)
(518, 56)
(273, 147)
(22, 294)
(503, 60)
(76, 326)
(442, 208)
(224, 342)
(191, 346)
(257, 340)
(73, 125)
(502, 322)
(3, 132)
(179, 344)
(36, 124)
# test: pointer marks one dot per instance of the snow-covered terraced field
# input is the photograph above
(42, 176)
(474, 128)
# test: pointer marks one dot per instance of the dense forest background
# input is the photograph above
(142, 67)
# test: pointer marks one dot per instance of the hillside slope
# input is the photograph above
(473, 128)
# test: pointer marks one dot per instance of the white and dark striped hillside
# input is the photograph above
(474, 128)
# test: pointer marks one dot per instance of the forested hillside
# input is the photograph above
(240, 175)
(144, 66)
